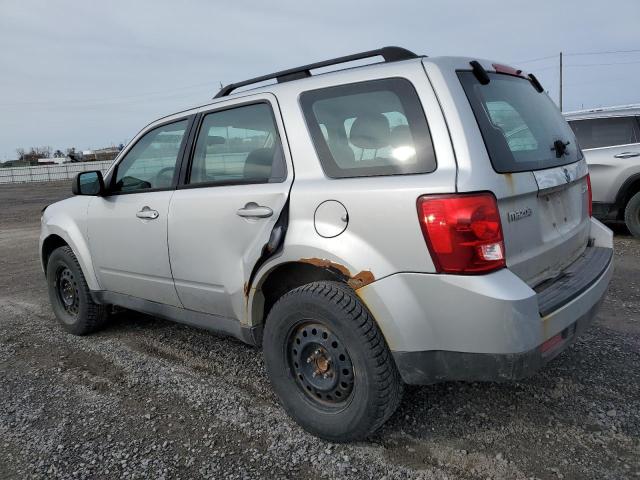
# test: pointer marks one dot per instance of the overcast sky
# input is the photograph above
(90, 74)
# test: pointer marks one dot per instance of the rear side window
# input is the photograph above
(369, 128)
(520, 126)
(606, 132)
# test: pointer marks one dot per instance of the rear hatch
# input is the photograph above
(543, 196)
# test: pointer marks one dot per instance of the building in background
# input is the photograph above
(53, 160)
(100, 154)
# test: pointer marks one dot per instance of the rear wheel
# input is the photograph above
(329, 364)
(632, 215)
(69, 294)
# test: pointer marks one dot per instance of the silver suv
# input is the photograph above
(411, 221)
(610, 139)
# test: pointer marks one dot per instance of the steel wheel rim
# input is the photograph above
(321, 364)
(68, 291)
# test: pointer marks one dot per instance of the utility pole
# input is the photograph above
(560, 81)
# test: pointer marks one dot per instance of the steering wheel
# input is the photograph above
(161, 179)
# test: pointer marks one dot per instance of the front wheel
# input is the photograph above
(69, 294)
(632, 215)
(329, 363)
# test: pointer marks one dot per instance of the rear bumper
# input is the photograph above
(605, 211)
(489, 327)
(427, 367)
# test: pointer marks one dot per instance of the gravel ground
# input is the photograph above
(146, 398)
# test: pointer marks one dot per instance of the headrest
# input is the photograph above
(370, 131)
(216, 140)
(401, 136)
(258, 164)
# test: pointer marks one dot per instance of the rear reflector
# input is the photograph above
(590, 193)
(551, 343)
(463, 232)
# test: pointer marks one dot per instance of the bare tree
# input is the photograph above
(45, 151)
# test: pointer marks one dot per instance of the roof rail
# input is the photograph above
(390, 54)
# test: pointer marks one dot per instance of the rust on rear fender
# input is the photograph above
(365, 277)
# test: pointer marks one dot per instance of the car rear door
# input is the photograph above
(235, 190)
(535, 169)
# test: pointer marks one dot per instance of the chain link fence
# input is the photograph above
(48, 173)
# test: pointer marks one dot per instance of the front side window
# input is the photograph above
(369, 128)
(606, 132)
(238, 145)
(522, 128)
(151, 163)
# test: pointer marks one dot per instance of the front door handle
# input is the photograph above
(253, 210)
(147, 214)
(627, 155)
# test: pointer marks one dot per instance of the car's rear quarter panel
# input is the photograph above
(383, 235)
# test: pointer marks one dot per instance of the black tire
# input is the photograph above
(341, 328)
(69, 294)
(632, 215)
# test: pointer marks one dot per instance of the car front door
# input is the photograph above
(127, 228)
(235, 190)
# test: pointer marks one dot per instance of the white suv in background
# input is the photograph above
(610, 140)
(411, 221)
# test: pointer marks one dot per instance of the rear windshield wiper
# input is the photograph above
(560, 147)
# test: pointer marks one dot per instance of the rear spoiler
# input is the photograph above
(483, 77)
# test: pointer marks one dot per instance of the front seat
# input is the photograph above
(199, 168)
(264, 164)
(370, 131)
(401, 136)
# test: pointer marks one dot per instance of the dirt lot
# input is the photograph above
(147, 398)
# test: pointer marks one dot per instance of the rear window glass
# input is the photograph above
(520, 126)
(606, 132)
(369, 128)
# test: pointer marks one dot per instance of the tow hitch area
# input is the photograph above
(556, 343)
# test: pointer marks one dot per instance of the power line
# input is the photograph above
(604, 52)
(550, 67)
(601, 52)
(535, 59)
(80, 102)
(600, 64)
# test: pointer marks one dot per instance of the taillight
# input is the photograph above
(463, 232)
(590, 195)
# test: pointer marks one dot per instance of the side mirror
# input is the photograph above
(88, 183)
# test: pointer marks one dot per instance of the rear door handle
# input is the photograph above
(253, 210)
(627, 155)
(147, 214)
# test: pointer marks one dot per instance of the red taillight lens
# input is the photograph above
(463, 232)
(590, 195)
